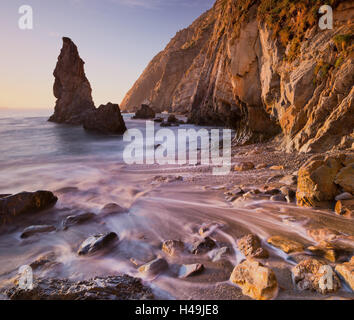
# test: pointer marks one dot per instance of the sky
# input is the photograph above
(115, 38)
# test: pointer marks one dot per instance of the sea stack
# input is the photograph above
(71, 87)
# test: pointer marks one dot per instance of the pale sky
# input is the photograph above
(115, 38)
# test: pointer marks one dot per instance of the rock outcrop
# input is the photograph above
(261, 67)
(74, 103)
(145, 112)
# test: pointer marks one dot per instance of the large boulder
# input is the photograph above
(255, 280)
(145, 112)
(25, 203)
(106, 119)
(71, 87)
(108, 288)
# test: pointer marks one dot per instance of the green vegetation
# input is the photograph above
(321, 71)
(343, 41)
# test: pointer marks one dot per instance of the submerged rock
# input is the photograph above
(44, 260)
(25, 203)
(99, 288)
(78, 219)
(32, 230)
(154, 267)
(172, 247)
(188, 270)
(255, 280)
(286, 245)
(219, 254)
(208, 229)
(311, 274)
(251, 247)
(112, 208)
(99, 242)
(346, 271)
(144, 113)
(106, 119)
(203, 246)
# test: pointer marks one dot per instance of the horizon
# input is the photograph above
(119, 40)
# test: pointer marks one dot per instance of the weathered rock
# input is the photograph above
(25, 203)
(154, 267)
(345, 178)
(106, 119)
(286, 245)
(32, 230)
(346, 271)
(188, 270)
(144, 113)
(345, 208)
(261, 166)
(251, 247)
(172, 247)
(108, 288)
(311, 274)
(97, 243)
(208, 229)
(78, 219)
(219, 254)
(112, 208)
(71, 87)
(276, 168)
(203, 246)
(244, 166)
(255, 280)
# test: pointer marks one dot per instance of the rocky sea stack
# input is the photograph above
(262, 67)
(74, 103)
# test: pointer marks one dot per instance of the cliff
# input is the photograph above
(263, 68)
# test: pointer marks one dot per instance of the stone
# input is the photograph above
(346, 271)
(100, 288)
(261, 166)
(172, 119)
(145, 113)
(78, 219)
(25, 203)
(344, 196)
(345, 208)
(276, 168)
(71, 87)
(255, 280)
(44, 260)
(172, 247)
(106, 119)
(345, 178)
(251, 247)
(219, 254)
(326, 250)
(208, 229)
(98, 243)
(202, 246)
(154, 267)
(244, 166)
(316, 182)
(285, 244)
(188, 270)
(311, 274)
(32, 230)
(112, 208)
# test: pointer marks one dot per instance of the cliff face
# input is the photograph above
(262, 67)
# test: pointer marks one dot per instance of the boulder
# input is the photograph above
(25, 203)
(346, 271)
(96, 243)
(345, 178)
(202, 246)
(106, 119)
(154, 267)
(244, 166)
(100, 288)
(172, 247)
(32, 230)
(71, 87)
(78, 219)
(172, 119)
(285, 244)
(188, 270)
(144, 113)
(255, 280)
(311, 274)
(251, 247)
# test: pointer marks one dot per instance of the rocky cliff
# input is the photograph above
(263, 67)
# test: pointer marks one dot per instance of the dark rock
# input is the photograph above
(45, 260)
(145, 112)
(251, 247)
(203, 246)
(97, 243)
(32, 230)
(279, 198)
(288, 192)
(158, 120)
(272, 192)
(172, 119)
(112, 208)
(108, 288)
(78, 219)
(106, 119)
(25, 203)
(154, 267)
(165, 124)
(188, 270)
(71, 87)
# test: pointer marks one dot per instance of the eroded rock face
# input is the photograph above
(71, 87)
(255, 280)
(233, 67)
(109, 288)
(25, 203)
(106, 119)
